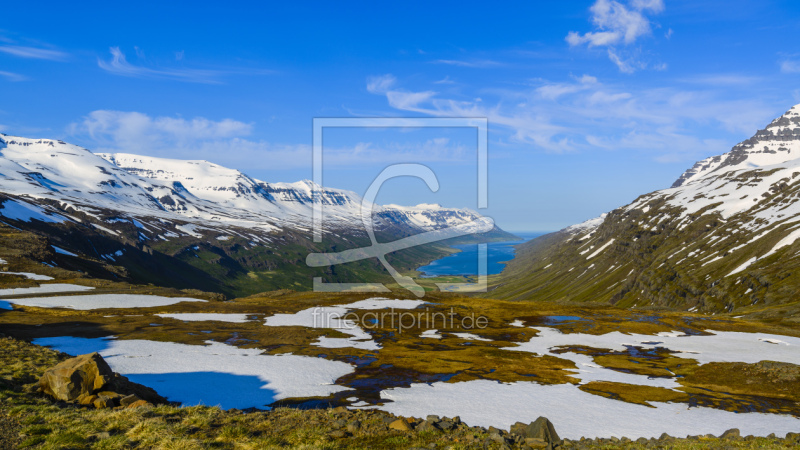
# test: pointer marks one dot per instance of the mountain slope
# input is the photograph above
(192, 223)
(724, 237)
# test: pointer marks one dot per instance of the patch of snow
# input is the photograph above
(102, 301)
(212, 374)
(200, 317)
(44, 289)
(433, 334)
(19, 210)
(471, 337)
(336, 318)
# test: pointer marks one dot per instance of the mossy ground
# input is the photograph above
(29, 420)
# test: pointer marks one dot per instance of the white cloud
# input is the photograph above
(789, 66)
(119, 65)
(226, 142)
(11, 76)
(408, 100)
(33, 52)
(221, 141)
(380, 84)
(617, 25)
(552, 91)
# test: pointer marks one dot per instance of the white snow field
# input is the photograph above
(216, 317)
(213, 374)
(576, 413)
(573, 412)
(101, 301)
(335, 317)
(45, 289)
(723, 346)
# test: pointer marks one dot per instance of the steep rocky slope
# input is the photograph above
(722, 238)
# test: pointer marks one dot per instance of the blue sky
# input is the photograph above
(590, 103)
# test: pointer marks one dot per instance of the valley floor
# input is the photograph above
(595, 371)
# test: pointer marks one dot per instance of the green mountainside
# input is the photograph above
(723, 238)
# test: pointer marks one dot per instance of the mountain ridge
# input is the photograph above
(724, 237)
(121, 210)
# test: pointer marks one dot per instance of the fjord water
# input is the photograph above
(465, 262)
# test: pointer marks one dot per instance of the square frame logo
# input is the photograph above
(380, 250)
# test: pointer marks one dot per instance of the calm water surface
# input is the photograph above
(465, 262)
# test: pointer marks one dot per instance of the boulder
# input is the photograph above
(81, 376)
(88, 380)
(400, 425)
(733, 433)
(540, 428)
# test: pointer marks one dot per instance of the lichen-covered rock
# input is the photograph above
(88, 380)
(77, 377)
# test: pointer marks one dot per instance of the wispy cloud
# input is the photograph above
(585, 114)
(227, 142)
(10, 76)
(445, 80)
(119, 65)
(790, 66)
(476, 63)
(616, 26)
(728, 79)
(380, 84)
(34, 52)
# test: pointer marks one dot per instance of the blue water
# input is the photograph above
(465, 262)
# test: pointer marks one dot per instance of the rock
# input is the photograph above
(87, 399)
(354, 426)
(432, 418)
(427, 425)
(733, 433)
(129, 400)
(80, 376)
(341, 423)
(541, 428)
(445, 425)
(792, 436)
(665, 437)
(400, 425)
(339, 410)
(536, 443)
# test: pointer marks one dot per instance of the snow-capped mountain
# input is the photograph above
(194, 224)
(199, 192)
(724, 236)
